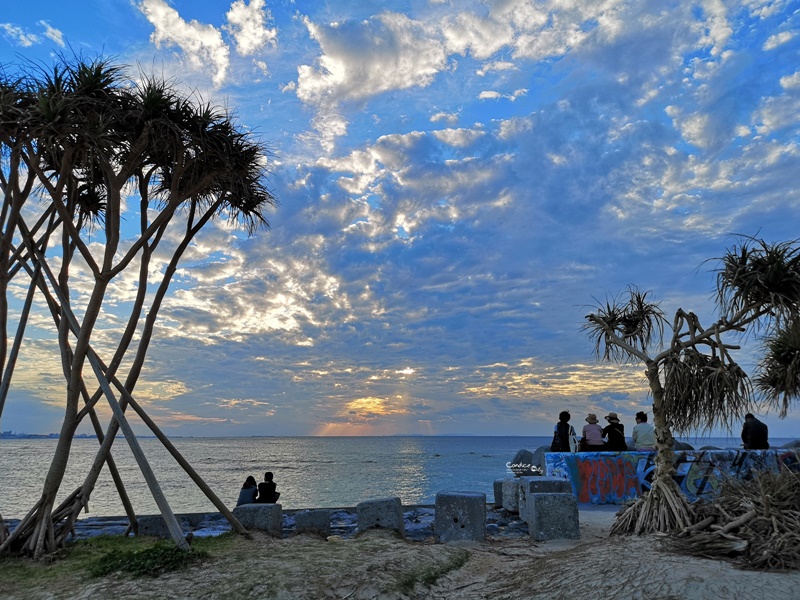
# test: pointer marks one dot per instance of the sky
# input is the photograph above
(459, 183)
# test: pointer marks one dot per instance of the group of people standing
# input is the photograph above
(595, 438)
(263, 493)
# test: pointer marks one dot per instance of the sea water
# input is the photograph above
(311, 472)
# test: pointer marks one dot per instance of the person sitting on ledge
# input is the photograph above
(615, 432)
(592, 435)
(755, 434)
(247, 495)
(266, 490)
(644, 435)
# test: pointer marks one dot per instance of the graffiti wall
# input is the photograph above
(614, 477)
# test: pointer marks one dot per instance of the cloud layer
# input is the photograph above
(458, 183)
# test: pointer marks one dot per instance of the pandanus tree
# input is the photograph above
(85, 150)
(694, 381)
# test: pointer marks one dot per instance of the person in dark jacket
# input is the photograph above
(266, 490)
(562, 433)
(755, 434)
(614, 432)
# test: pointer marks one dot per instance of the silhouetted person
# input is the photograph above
(562, 433)
(755, 434)
(615, 432)
(266, 490)
(247, 495)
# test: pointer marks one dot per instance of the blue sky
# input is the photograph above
(458, 182)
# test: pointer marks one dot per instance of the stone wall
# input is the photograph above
(614, 477)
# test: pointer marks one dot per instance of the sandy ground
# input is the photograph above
(378, 564)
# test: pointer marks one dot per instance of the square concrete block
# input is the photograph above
(461, 516)
(498, 493)
(156, 526)
(385, 513)
(511, 495)
(313, 521)
(265, 517)
(553, 516)
(539, 485)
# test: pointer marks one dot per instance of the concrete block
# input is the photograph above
(156, 526)
(264, 517)
(460, 516)
(385, 513)
(511, 495)
(498, 493)
(313, 521)
(553, 516)
(539, 485)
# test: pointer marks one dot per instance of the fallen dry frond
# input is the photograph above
(755, 523)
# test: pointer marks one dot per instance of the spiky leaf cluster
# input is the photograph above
(632, 319)
(702, 391)
(757, 277)
(778, 377)
(87, 119)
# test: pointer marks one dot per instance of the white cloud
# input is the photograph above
(247, 25)
(443, 116)
(776, 113)
(52, 33)
(791, 81)
(498, 65)
(19, 35)
(202, 44)
(494, 95)
(778, 39)
(480, 36)
(460, 138)
(359, 60)
(718, 31)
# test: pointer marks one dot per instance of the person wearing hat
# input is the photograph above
(592, 435)
(755, 434)
(614, 432)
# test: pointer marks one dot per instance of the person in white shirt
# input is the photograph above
(644, 435)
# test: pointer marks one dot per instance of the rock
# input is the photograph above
(795, 444)
(678, 445)
(522, 463)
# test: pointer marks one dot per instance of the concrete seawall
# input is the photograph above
(615, 477)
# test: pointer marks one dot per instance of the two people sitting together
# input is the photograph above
(264, 493)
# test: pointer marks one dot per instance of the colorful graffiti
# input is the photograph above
(615, 477)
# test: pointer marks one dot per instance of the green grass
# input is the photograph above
(137, 556)
(161, 557)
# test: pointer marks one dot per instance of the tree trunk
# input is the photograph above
(663, 508)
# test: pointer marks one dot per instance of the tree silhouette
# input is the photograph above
(694, 381)
(84, 149)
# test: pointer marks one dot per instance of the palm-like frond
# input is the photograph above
(632, 318)
(757, 278)
(778, 377)
(702, 391)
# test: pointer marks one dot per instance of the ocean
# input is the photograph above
(311, 472)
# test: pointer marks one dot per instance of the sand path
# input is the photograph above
(378, 565)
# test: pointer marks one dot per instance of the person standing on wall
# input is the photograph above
(755, 434)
